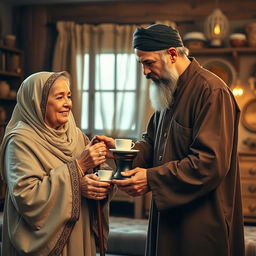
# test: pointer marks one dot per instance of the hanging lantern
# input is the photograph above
(216, 27)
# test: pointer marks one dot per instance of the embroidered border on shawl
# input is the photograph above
(47, 87)
(76, 198)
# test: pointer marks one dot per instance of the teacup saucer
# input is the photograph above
(106, 180)
(125, 151)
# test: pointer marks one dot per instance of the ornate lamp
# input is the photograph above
(216, 27)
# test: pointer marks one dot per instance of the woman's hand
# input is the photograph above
(93, 188)
(92, 156)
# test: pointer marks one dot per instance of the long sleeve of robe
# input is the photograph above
(44, 211)
(190, 151)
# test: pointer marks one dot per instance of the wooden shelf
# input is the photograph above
(7, 99)
(11, 71)
(247, 153)
(234, 52)
(10, 49)
(230, 50)
(10, 74)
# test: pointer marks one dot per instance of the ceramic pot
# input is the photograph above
(10, 40)
(4, 89)
(237, 40)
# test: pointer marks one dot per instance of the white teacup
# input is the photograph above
(124, 144)
(105, 175)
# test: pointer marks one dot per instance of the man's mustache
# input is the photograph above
(152, 76)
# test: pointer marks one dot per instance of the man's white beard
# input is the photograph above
(161, 91)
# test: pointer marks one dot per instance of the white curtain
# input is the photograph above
(73, 42)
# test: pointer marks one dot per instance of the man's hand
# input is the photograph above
(136, 184)
(109, 142)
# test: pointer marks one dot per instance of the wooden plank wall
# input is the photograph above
(35, 24)
(149, 11)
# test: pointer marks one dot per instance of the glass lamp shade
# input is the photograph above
(216, 27)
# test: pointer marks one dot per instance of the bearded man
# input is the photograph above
(188, 156)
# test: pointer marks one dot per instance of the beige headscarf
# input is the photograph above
(29, 113)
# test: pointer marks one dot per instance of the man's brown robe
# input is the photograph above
(190, 151)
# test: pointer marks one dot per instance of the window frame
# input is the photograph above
(91, 130)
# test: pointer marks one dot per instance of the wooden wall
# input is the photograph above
(35, 24)
(149, 11)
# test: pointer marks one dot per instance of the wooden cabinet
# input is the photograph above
(11, 75)
(137, 202)
(141, 204)
(248, 185)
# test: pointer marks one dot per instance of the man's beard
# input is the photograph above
(162, 89)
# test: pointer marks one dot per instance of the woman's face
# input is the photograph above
(59, 103)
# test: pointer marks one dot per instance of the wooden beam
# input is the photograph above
(37, 38)
(142, 12)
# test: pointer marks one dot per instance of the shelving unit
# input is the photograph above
(233, 52)
(11, 71)
(10, 61)
(229, 50)
(248, 185)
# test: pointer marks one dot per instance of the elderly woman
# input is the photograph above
(46, 162)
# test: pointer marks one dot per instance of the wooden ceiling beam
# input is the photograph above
(141, 12)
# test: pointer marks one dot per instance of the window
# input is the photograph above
(110, 94)
(107, 81)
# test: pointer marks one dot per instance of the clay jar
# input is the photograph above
(10, 40)
(251, 34)
(4, 89)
